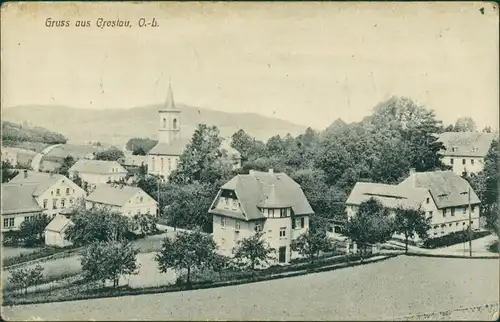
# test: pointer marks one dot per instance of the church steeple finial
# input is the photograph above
(169, 103)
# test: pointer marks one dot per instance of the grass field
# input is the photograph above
(393, 288)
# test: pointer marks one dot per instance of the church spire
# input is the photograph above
(169, 103)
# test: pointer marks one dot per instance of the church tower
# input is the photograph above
(169, 116)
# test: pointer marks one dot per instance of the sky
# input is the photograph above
(308, 63)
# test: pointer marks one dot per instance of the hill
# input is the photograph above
(28, 137)
(116, 126)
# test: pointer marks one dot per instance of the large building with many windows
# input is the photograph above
(269, 202)
(465, 151)
(444, 196)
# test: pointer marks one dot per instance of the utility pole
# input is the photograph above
(158, 194)
(470, 228)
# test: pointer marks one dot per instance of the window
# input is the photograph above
(237, 225)
(51, 192)
(223, 222)
(463, 161)
(430, 214)
(71, 200)
(427, 200)
(58, 192)
(472, 208)
(45, 201)
(453, 211)
(302, 222)
(8, 222)
(63, 201)
(444, 212)
(283, 232)
(174, 123)
(436, 227)
(153, 164)
(258, 226)
(456, 224)
(463, 224)
(471, 161)
(54, 203)
(464, 210)
(282, 213)
(451, 160)
(67, 191)
(164, 125)
(161, 166)
(235, 204)
(141, 199)
(169, 164)
(449, 225)
(453, 149)
(294, 224)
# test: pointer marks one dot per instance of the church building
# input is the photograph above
(163, 158)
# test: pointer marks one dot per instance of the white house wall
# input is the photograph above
(155, 168)
(68, 191)
(461, 164)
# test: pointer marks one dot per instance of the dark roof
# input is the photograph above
(174, 148)
(447, 188)
(42, 180)
(75, 150)
(274, 200)
(466, 143)
(255, 188)
(111, 194)
(18, 198)
(96, 166)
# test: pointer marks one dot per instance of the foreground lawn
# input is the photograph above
(392, 288)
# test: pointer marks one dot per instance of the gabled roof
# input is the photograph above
(447, 188)
(466, 143)
(18, 198)
(255, 189)
(59, 224)
(42, 180)
(391, 196)
(174, 148)
(96, 166)
(133, 160)
(111, 194)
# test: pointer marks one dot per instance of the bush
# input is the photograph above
(38, 254)
(453, 238)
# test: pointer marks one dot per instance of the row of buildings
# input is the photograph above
(269, 202)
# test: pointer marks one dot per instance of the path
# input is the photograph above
(395, 287)
(37, 159)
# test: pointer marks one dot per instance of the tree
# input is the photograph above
(487, 129)
(249, 147)
(465, 124)
(201, 155)
(186, 251)
(311, 243)
(26, 277)
(370, 225)
(411, 222)
(253, 251)
(144, 144)
(67, 163)
(112, 154)
(109, 260)
(145, 223)
(96, 224)
(8, 171)
(32, 229)
(139, 151)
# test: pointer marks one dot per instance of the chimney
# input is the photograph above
(271, 171)
(413, 177)
(25, 174)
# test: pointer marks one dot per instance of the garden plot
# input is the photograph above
(397, 287)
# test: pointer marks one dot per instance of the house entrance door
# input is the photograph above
(282, 254)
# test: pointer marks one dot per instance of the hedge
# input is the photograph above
(453, 238)
(82, 293)
(43, 253)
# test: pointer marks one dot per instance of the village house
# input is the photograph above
(126, 200)
(17, 157)
(465, 151)
(260, 201)
(31, 193)
(96, 172)
(55, 232)
(163, 158)
(441, 195)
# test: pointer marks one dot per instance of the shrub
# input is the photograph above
(453, 238)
